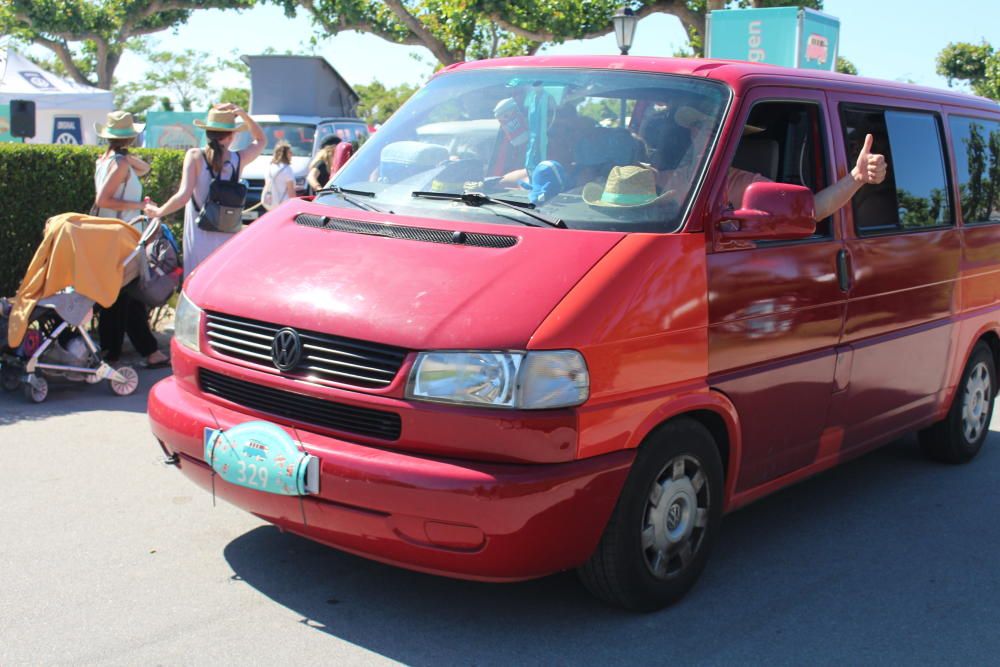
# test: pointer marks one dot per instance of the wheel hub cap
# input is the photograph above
(675, 517)
(976, 402)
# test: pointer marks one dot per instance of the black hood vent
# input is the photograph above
(406, 233)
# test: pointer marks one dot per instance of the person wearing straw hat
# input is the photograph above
(119, 195)
(116, 178)
(201, 166)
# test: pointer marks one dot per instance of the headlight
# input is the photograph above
(523, 380)
(187, 323)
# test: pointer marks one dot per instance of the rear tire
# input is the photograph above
(666, 521)
(958, 437)
(10, 379)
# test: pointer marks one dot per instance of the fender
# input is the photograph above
(950, 389)
(708, 399)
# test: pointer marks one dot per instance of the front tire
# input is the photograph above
(958, 437)
(666, 521)
(37, 389)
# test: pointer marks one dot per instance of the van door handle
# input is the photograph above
(843, 270)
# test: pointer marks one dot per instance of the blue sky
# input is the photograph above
(886, 39)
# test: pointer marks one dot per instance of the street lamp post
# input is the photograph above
(624, 21)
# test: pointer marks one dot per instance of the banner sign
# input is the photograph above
(786, 36)
(67, 130)
(5, 124)
(173, 129)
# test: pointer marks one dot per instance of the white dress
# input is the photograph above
(278, 178)
(129, 190)
(199, 244)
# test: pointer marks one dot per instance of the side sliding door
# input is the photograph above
(903, 254)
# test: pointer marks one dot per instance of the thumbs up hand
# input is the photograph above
(871, 166)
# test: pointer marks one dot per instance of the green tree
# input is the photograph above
(378, 102)
(457, 30)
(88, 37)
(238, 96)
(975, 65)
(845, 66)
(184, 76)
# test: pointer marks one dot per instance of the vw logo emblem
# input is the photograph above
(673, 516)
(286, 349)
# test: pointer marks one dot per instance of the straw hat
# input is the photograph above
(627, 187)
(220, 121)
(119, 126)
(691, 118)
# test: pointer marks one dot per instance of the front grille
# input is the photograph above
(407, 233)
(300, 408)
(325, 357)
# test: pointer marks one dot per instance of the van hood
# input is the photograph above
(409, 293)
(258, 168)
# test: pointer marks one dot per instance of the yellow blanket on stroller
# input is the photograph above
(79, 251)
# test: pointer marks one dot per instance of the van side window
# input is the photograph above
(977, 162)
(782, 142)
(914, 194)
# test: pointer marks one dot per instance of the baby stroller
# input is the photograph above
(57, 343)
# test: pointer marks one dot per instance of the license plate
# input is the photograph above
(261, 455)
(250, 215)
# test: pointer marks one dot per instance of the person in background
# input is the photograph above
(320, 169)
(342, 152)
(279, 186)
(119, 195)
(201, 165)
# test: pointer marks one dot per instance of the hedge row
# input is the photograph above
(39, 181)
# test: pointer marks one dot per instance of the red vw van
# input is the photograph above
(539, 335)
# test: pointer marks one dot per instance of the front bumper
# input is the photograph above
(474, 520)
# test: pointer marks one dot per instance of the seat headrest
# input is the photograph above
(758, 155)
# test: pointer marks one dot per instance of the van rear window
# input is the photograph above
(915, 193)
(977, 163)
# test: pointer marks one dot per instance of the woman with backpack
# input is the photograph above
(210, 191)
(119, 195)
(279, 185)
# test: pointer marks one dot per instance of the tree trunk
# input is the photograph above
(106, 70)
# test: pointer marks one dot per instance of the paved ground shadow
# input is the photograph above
(73, 397)
(882, 559)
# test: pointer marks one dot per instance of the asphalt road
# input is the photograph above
(107, 556)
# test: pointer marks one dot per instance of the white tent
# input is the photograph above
(65, 112)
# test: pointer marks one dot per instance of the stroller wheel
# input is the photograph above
(37, 390)
(129, 382)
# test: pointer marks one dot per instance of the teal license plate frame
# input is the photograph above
(262, 456)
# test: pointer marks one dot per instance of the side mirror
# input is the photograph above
(771, 212)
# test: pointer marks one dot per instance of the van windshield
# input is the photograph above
(298, 135)
(597, 149)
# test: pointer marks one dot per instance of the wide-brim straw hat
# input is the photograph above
(627, 187)
(119, 126)
(220, 121)
(690, 118)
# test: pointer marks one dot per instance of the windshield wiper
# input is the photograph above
(479, 199)
(346, 193)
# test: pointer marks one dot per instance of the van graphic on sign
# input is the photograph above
(817, 48)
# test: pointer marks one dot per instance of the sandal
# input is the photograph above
(162, 363)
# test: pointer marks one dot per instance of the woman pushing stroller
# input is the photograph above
(119, 195)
